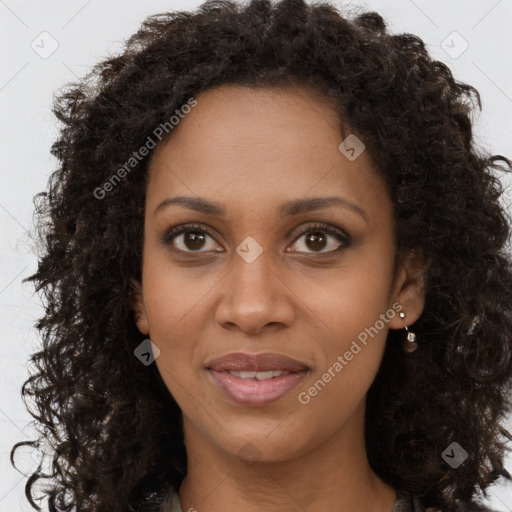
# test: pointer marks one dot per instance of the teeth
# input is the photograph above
(258, 375)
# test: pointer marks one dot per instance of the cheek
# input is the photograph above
(353, 305)
(174, 296)
(350, 299)
(172, 302)
(352, 349)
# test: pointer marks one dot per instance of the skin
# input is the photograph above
(251, 150)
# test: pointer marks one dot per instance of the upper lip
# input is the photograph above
(240, 361)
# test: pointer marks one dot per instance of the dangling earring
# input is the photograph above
(411, 344)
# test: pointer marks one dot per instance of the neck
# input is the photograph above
(334, 476)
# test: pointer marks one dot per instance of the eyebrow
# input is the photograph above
(293, 207)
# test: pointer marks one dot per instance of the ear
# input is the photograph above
(409, 289)
(137, 304)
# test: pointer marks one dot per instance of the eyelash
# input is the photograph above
(343, 238)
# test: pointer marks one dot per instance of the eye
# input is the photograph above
(189, 238)
(318, 237)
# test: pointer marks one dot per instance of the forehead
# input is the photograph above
(241, 144)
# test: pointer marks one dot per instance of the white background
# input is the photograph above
(88, 31)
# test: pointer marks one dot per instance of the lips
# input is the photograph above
(240, 362)
(256, 380)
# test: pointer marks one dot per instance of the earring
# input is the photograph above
(411, 344)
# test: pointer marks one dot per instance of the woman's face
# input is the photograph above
(297, 265)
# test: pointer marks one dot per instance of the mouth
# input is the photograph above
(256, 380)
(266, 362)
(260, 375)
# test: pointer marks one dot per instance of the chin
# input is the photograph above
(254, 444)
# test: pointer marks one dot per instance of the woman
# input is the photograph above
(275, 274)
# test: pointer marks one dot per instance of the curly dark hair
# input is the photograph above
(109, 424)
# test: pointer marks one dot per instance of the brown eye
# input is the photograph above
(321, 239)
(189, 238)
(316, 241)
(193, 240)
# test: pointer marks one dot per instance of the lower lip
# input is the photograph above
(256, 392)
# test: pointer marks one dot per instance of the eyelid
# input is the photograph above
(321, 226)
(179, 229)
(343, 238)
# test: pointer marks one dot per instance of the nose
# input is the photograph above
(255, 297)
